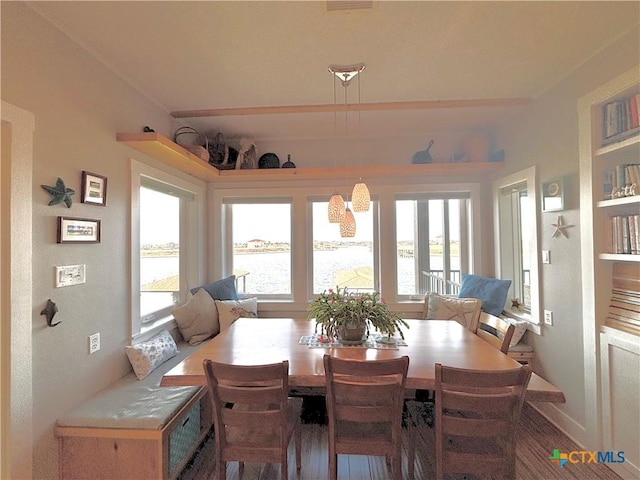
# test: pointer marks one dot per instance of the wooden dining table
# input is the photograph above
(253, 341)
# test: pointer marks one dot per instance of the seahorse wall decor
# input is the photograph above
(50, 311)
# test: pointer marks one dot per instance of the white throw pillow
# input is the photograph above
(145, 357)
(198, 318)
(231, 310)
(518, 333)
(465, 311)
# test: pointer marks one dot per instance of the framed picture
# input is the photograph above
(553, 194)
(94, 189)
(78, 230)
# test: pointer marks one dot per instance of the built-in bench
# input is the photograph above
(135, 428)
(521, 352)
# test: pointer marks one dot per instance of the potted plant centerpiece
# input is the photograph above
(348, 317)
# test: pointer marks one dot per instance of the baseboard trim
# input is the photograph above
(561, 421)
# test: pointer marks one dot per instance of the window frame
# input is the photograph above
(375, 206)
(465, 215)
(227, 259)
(502, 220)
(192, 253)
(302, 243)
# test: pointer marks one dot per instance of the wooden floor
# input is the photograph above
(537, 438)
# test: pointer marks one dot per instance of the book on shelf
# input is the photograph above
(620, 119)
(615, 180)
(622, 234)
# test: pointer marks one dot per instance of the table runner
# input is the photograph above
(373, 341)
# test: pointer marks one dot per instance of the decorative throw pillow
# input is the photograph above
(518, 333)
(231, 310)
(198, 318)
(465, 311)
(145, 357)
(492, 291)
(224, 289)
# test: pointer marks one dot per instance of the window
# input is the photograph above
(279, 239)
(431, 243)
(343, 262)
(260, 240)
(166, 245)
(159, 251)
(517, 242)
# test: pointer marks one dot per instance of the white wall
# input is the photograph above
(547, 136)
(78, 107)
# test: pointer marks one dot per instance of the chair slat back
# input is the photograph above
(477, 412)
(252, 414)
(364, 407)
(504, 332)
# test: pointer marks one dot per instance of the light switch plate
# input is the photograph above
(546, 256)
(67, 275)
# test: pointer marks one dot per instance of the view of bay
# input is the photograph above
(269, 272)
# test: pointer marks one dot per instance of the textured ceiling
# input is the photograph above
(208, 55)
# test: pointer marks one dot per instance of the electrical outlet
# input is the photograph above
(94, 343)
(548, 317)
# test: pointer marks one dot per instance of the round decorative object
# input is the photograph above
(553, 189)
(269, 160)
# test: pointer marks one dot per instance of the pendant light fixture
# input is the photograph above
(360, 197)
(348, 225)
(338, 213)
(336, 208)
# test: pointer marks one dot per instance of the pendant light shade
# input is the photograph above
(336, 208)
(360, 198)
(348, 225)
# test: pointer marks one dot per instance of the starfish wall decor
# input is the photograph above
(59, 193)
(560, 228)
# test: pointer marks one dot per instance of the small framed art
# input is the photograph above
(553, 194)
(94, 189)
(78, 230)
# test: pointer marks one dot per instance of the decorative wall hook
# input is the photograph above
(59, 193)
(50, 311)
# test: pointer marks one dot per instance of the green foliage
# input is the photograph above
(338, 308)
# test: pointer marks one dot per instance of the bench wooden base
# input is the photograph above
(116, 453)
(528, 358)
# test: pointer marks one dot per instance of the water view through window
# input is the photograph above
(159, 251)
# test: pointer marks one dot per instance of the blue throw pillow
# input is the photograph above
(492, 291)
(224, 289)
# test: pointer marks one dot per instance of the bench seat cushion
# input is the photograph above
(521, 347)
(130, 403)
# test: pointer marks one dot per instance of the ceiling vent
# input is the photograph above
(347, 5)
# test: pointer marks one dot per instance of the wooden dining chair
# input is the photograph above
(476, 415)
(254, 419)
(503, 332)
(364, 407)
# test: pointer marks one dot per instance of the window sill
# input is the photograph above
(148, 330)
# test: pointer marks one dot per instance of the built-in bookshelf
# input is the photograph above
(615, 160)
(610, 281)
